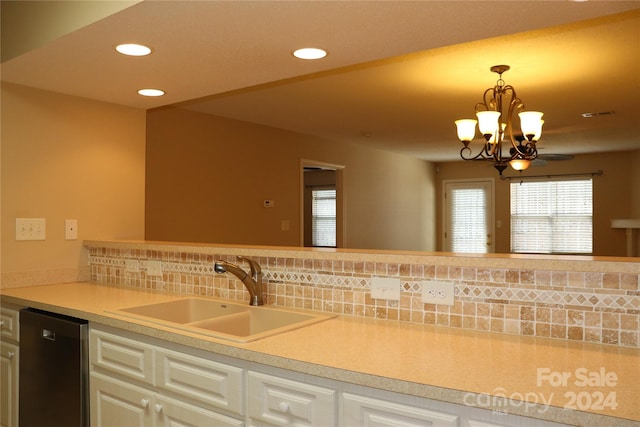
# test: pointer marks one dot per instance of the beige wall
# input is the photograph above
(207, 178)
(616, 194)
(635, 199)
(67, 158)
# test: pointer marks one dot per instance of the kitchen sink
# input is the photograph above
(256, 322)
(219, 319)
(184, 310)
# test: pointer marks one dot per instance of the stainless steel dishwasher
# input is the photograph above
(54, 370)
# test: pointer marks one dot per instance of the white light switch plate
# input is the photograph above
(385, 288)
(31, 228)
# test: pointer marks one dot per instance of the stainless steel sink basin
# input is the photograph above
(235, 322)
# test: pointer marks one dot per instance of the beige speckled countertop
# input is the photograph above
(456, 366)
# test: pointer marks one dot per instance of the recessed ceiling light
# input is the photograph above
(151, 92)
(310, 53)
(133, 49)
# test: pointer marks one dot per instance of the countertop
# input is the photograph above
(530, 376)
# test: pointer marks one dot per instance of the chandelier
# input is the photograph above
(495, 122)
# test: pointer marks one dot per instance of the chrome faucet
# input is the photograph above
(252, 282)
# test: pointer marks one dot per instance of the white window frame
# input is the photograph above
(550, 222)
(314, 218)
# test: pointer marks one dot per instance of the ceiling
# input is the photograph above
(397, 75)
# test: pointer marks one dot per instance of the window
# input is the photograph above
(552, 216)
(324, 217)
(469, 216)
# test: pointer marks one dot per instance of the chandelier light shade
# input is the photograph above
(520, 164)
(466, 129)
(530, 123)
(495, 122)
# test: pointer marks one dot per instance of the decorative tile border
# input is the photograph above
(590, 306)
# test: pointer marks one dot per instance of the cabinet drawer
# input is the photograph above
(366, 411)
(285, 402)
(121, 355)
(9, 324)
(204, 381)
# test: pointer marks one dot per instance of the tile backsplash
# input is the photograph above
(579, 299)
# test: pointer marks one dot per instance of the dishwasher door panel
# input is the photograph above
(53, 370)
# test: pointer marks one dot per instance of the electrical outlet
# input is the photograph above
(132, 265)
(437, 292)
(385, 288)
(154, 268)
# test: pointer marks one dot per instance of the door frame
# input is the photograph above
(341, 223)
(491, 228)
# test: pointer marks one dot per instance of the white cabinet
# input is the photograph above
(9, 384)
(9, 357)
(200, 381)
(281, 402)
(366, 411)
(174, 413)
(367, 407)
(117, 403)
(122, 356)
(139, 381)
(134, 383)
(9, 321)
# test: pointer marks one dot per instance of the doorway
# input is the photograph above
(468, 216)
(322, 195)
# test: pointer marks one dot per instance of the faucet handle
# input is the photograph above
(253, 265)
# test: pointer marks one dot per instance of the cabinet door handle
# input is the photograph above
(144, 403)
(283, 407)
(10, 354)
(157, 407)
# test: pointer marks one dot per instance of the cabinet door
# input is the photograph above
(172, 413)
(201, 381)
(8, 385)
(115, 403)
(120, 355)
(283, 402)
(365, 411)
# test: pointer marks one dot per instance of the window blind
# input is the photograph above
(324, 218)
(468, 228)
(552, 216)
